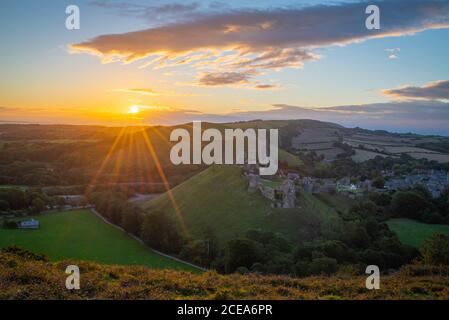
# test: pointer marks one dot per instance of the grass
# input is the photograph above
(414, 233)
(83, 236)
(218, 199)
(22, 278)
(271, 183)
(289, 158)
(337, 202)
(13, 187)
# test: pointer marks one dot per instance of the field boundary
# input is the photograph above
(143, 243)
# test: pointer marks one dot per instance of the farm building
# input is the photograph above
(29, 224)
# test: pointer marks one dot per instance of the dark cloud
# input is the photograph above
(224, 78)
(436, 90)
(427, 117)
(414, 116)
(233, 79)
(266, 86)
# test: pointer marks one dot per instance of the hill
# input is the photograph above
(23, 276)
(52, 155)
(218, 199)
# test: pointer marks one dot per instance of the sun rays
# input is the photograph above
(134, 144)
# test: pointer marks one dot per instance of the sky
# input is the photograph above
(167, 62)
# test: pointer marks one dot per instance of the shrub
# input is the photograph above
(323, 265)
(435, 250)
(10, 224)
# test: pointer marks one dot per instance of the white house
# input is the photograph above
(29, 224)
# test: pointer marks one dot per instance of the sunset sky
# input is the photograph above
(226, 60)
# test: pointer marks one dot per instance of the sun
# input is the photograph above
(134, 109)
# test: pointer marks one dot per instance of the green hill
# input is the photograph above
(218, 199)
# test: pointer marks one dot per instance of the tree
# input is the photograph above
(355, 235)
(364, 209)
(323, 265)
(16, 198)
(379, 182)
(10, 224)
(409, 204)
(131, 218)
(160, 232)
(435, 250)
(37, 205)
(4, 205)
(380, 199)
(242, 253)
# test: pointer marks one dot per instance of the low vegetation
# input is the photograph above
(28, 276)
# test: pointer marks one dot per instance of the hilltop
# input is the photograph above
(218, 199)
(26, 276)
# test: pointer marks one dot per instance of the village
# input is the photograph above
(284, 188)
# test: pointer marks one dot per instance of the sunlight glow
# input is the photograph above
(134, 109)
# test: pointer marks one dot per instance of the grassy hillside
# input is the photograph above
(414, 233)
(24, 278)
(218, 198)
(289, 158)
(82, 235)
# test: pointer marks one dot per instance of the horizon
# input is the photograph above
(252, 60)
(442, 134)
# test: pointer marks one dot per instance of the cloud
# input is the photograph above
(393, 53)
(233, 79)
(258, 35)
(151, 92)
(146, 92)
(154, 14)
(429, 117)
(267, 86)
(436, 90)
(404, 116)
(224, 78)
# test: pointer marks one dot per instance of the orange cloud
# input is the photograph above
(264, 39)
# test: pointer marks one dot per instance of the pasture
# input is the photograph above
(414, 233)
(81, 235)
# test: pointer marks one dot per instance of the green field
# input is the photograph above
(81, 235)
(289, 158)
(414, 233)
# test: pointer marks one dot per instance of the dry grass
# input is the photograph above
(23, 278)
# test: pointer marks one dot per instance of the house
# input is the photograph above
(307, 184)
(73, 200)
(29, 224)
(365, 185)
(293, 176)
